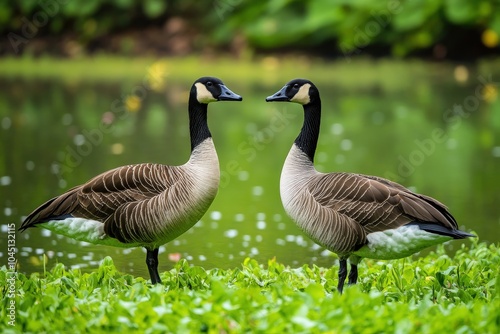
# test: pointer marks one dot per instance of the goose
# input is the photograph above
(353, 215)
(144, 205)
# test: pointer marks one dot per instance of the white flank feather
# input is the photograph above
(398, 243)
(82, 229)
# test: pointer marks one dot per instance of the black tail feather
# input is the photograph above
(442, 230)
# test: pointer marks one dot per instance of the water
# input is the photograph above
(432, 135)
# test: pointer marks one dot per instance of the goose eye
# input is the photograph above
(296, 85)
(209, 84)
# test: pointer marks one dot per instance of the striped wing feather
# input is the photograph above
(110, 196)
(375, 203)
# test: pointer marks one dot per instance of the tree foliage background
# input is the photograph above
(332, 28)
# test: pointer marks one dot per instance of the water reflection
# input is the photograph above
(53, 138)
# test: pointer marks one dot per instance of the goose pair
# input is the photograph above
(149, 205)
(354, 215)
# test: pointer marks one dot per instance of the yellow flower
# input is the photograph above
(133, 103)
(489, 93)
(117, 148)
(490, 38)
(156, 75)
(461, 73)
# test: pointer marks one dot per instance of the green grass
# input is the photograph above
(360, 73)
(435, 294)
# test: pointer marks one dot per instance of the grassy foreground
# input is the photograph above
(435, 294)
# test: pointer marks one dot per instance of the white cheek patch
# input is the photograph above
(202, 94)
(302, 95)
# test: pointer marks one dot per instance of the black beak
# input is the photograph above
(278, 96)
(227, 95)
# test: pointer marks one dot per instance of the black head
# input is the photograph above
(300, 91)
(210, 89)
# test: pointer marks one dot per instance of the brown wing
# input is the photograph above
(377, 204)
(105, 197)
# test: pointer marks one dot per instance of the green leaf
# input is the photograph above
(154, 8)
(461, 11)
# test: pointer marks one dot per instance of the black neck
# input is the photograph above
(198, 126)
(308, 136)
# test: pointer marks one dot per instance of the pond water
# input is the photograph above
(438, 134)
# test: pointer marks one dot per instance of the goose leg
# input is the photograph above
(353, 274)
(152, 263)
(342, 274)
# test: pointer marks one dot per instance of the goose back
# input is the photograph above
(135, 205)
(336, 232)
(345, 211)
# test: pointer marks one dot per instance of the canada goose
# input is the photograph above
(353, 215)
(146, 204)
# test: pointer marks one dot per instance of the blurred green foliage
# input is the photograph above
(404, 26)
(88, 19)
(334, 26)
